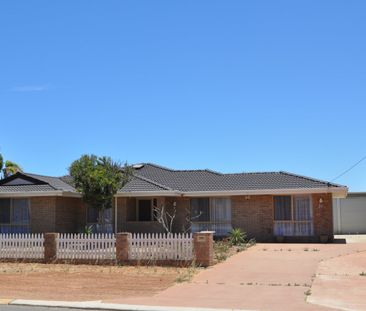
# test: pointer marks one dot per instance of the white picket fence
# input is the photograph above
(21, 246)
(158, 246)
(99, 246)
(95, 246)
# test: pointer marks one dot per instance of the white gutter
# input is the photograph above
(338, 192)
(56, 193)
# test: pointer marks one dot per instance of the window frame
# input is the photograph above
(293, 206)
(12, 224)
(210, 207)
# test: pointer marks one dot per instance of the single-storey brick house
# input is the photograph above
(264, 205)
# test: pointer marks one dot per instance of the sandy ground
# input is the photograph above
(83, 282)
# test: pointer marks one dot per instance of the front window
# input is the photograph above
(293, 216)
(100, 221)
(213, 214)
(14, 216)
(200, 209)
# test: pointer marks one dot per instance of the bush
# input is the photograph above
(237, 237)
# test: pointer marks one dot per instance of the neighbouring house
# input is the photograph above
(349, 214)
(264, 205)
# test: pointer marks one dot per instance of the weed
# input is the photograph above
(306, 249)
(187, 275)
(221, 250)
(363, 273)
(308, 292)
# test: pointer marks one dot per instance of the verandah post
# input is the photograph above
(50, 247)
(122, 246)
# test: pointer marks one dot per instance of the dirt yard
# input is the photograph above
(85, 282)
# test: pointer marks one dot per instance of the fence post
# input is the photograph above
(203, 248)
(122, 246)
(50, 247)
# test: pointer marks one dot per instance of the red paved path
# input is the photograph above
(265, 277)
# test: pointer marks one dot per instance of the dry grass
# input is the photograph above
(86, 282)
(27, 268)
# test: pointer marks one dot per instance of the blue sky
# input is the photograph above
(226, 85)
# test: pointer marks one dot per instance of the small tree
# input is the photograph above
(98, 179)
(166, 217)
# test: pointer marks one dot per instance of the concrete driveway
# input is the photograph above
(275, 277)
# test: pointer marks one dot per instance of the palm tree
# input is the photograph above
(9, 168)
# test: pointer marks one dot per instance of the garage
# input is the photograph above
(349, 214)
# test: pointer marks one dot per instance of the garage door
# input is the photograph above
(349, 214)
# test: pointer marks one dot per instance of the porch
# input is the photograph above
(191, 214)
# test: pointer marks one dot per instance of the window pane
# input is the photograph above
(20, 212)
(5, 211)
(108, 213)
(282, 207)
(93, 214)
(144, 212)
(221, 210)
(302, 209)
(200, 209)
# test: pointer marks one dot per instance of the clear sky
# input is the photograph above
(227, 85)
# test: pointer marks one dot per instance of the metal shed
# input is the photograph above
(349, 214)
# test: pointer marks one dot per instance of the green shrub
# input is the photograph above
(237, 237)
(88, 230)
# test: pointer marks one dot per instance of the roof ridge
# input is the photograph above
(48, 176)
(252, 173)
(156, 165)
(183, 170)
(311, 179)
(152, 181)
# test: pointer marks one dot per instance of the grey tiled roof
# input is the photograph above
(206, 180)
(58, 183)
(38, 183)
(25, 188)
(138, 183)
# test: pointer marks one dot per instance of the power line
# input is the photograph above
(347, 170)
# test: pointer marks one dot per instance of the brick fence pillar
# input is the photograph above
(50, 247)
(203, 248)
(122, 246)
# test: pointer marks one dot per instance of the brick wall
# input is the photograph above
(323, 214)
(253, 215)
(56, 214)
(43, 214)
(68, 218)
